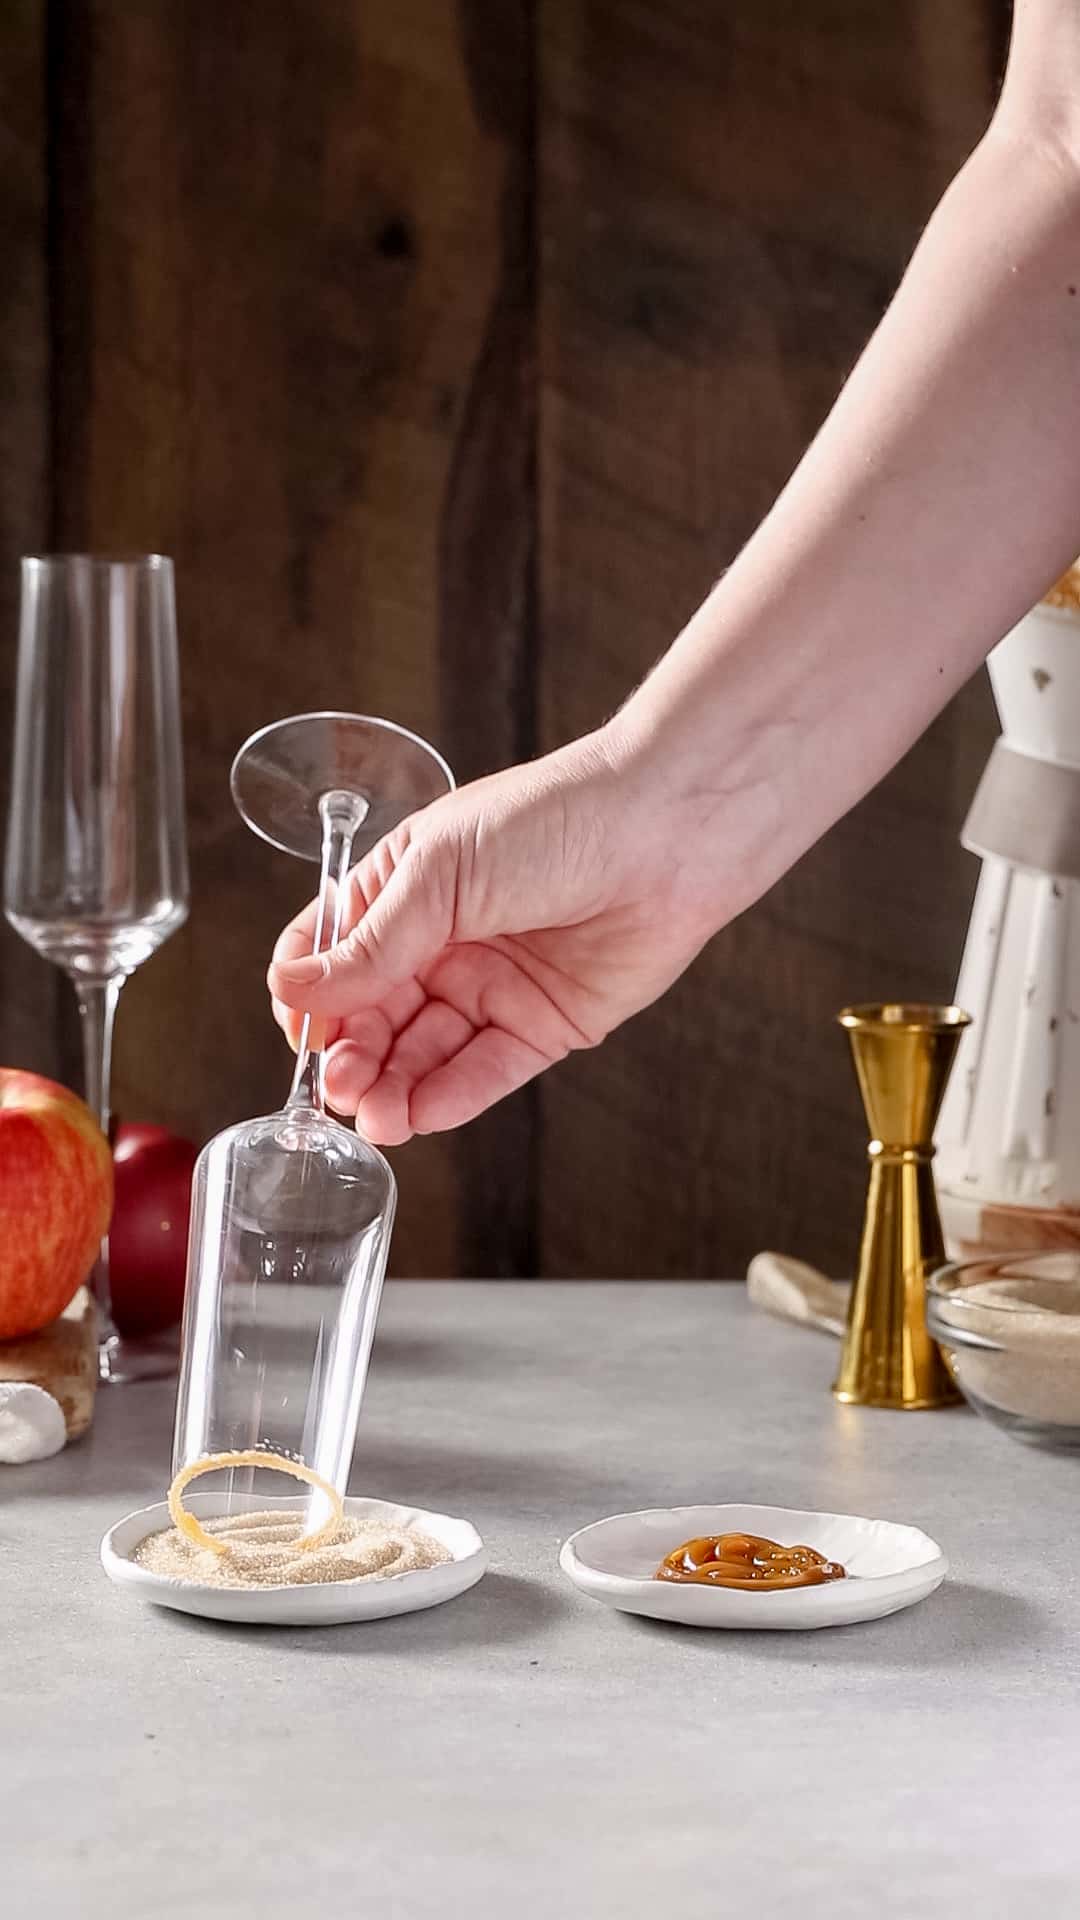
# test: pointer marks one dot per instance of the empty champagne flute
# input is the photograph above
(96, 873)
(291, 1213)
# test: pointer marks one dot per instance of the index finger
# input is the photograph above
(295, 943)
(296, 940)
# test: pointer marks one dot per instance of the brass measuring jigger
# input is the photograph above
(903, 1057)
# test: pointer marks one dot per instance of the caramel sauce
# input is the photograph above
(746, 1560)
(1066, 591)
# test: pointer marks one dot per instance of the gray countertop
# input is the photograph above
(523, 1751)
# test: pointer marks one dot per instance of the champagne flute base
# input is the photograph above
(124, 1362)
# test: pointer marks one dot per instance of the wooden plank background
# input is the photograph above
(730, 195)
(452, 351)
(29, 990)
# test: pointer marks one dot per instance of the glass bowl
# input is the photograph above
(1009, 1328)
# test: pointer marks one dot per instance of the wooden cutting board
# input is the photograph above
(63, 1359)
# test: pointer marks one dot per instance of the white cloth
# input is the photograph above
(793, 1291)
(31, 1423)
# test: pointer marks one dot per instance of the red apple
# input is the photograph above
(56, 1190)
(149, 1234)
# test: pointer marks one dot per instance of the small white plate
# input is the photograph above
(888, 1567)
(326, 1605)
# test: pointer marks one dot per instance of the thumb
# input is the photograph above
(406, 925)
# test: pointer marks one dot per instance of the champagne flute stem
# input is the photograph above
(97, 1014)
(341, 814)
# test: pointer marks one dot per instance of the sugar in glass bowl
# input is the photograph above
(1009, 1327)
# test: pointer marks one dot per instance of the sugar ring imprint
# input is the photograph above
(186, 1523)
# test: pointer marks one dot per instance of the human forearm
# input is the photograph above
(532, 912)
(939, 500)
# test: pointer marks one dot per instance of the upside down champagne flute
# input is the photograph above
(291, 1213)
(96, 873)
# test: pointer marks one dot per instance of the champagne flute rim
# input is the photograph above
(152, 562)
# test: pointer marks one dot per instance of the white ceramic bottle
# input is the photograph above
(1008, 1162)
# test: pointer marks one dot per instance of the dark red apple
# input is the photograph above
(149, 1233)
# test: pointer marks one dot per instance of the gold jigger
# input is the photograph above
(903, 1057)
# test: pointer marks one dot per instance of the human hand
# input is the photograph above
(491, 934)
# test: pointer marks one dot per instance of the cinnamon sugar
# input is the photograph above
(262, 1552)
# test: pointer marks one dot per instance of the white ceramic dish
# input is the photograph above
(888, 1567)
(327, 1605)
